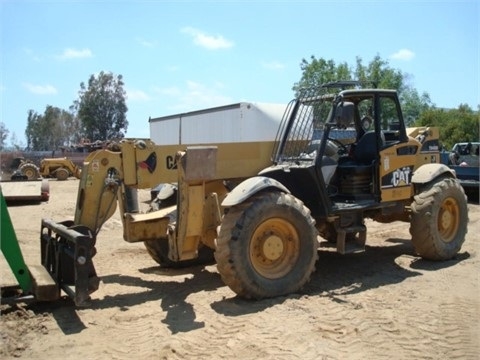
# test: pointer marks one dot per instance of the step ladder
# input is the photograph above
(351, 244)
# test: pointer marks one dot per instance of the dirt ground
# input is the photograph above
(385, 303)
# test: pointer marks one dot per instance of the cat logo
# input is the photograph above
(171, 163)
(401, 177)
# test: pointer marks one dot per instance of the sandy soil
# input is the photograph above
(385, 303)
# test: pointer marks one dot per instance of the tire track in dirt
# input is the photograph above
(457, 324)
(415, 325)
(337, 325)
(228, 326)
(455, 319)
(436, 333)
(137, 331)
(323, 336)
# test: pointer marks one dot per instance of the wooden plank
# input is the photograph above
(44, 287)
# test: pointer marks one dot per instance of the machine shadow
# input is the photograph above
(335, 276)
(338, 275)
(180, 315)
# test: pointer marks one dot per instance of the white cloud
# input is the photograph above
(173, 68)
(273, 65)
(211, 42)
(403, 54)
(71, 53)
(168, 91)
(195, 96)
(146, 43)
(199, 96)
(137, 95)
(40, 89)
(31, 54)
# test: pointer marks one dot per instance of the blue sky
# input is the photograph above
(178, 56)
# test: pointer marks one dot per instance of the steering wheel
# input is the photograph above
(343, 148)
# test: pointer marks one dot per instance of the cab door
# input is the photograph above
(397, 163)
(397, 155)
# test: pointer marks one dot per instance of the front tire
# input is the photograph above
(267, 246)
(439, 220)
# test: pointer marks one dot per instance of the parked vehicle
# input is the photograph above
(465, 161)
(59, 168)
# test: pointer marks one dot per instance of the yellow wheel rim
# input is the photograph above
(30, 173)
(274, 248)
(448, 219)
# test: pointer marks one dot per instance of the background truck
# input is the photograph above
(465, 161)
(228, 124)
(240, 122)
(59, 168)
(11, 166)
(342, 154)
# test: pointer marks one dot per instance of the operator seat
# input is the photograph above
(356, 172)
(365, 150)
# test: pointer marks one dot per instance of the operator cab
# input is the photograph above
(328, 147)
(375, 122)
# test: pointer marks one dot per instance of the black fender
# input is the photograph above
(250, 187)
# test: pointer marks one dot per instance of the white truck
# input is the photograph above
(255, 125)
(240, 122)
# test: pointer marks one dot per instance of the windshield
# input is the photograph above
(303, 126)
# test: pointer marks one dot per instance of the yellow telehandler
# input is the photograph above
(342, 154)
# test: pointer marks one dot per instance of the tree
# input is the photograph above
(320, 71)
(3, 135)
(380, 74)
(101, 107)
(55, 128)
(456, 125)
(377, 73)
(15, 144)
(413, 104)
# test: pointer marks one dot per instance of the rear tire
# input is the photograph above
(158, 251)
(267, 246)
(62, 174)
(30, 171)
(439, 220)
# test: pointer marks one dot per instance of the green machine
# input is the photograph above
(34, 282)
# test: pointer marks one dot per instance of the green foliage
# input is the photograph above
(320, 71)
(100, 115)
(377, 73)
(53, 129)
(380, 74)
(101, 107)
(413, 104)
(3, 136)
(456, 125)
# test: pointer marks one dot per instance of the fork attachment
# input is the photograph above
(66, 253)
